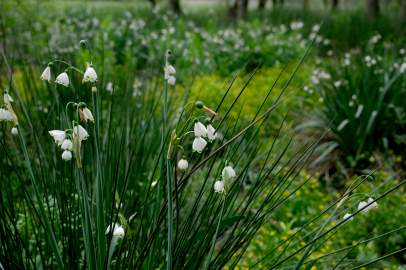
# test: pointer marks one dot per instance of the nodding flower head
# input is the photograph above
(362, 205)
(198, 144)
(210, 133)
(85, 115)
(183, 164)
(200, 130)
(66, 155)
(46, 75)
(90, 75)
(119, 232)
(219, 187)
(82, 132)
(59, 136)
(67, 145)
(171, 80)
(172, 70)
(348, 216)
(5, 115)
(374, 205)
(63, 79)
(7, 98)
(14, 131)
(113, 227)
(199, 105)
(230, 171)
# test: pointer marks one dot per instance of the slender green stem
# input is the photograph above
(304, 255)
(170, 214)
(215, 236)
(78, 70)
(101, 236)
(44, 216)
(70, 66)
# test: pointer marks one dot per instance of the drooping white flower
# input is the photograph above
(374, 205)
(88, 115)
(2, 114)
(63, 79)
(67, 145)
(90, 75)
(171, 80)
(8, 99)
(200, 130)
(183, 164)
(82, 132)
(14, 131)
(199, 144)
(66, 155)
(114, 226)
(231, 172)
(46, 75)
(172, 70)
(58, 135)
(348, 215)
(219, 186)
(210, 133)
(7, 116)
(362, 205)
(153, 184)
(119, 232)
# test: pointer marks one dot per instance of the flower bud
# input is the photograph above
(50, 64)
(199, 104)
(82, 43)
(14, 131)
(207, 121)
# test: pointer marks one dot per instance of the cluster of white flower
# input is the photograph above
(118, 231)
(201, 131)
(219, 186)
(361, 205)
(63, 79)
(5, 114)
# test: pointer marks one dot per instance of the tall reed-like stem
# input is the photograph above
(215, 236)
(44, 216)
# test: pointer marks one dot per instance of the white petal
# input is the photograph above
(82, 132)
(119, 232)
(172, 70)
(67, 145)
(200, 130)
(346, 216)
(219, 186)
(198, 144)
(210, 133)
(183, 164)
(63, 79)
(88, 114)
(374, 205)
(67, 155)
(46, 75)
(14, 131)
(171, 80)
(8, 99)
(362, 205)
(231, 172)
(114, 226)
(2, 114)
(90, 75)
(7, 115)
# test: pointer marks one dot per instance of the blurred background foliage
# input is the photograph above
(353, 79)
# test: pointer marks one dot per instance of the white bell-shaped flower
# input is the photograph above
(200, 130)
(183, 164)
(362, 205)
(153, 184)
(231, 172)
(348, 216)
(90, 75)
(88, 115)
(58, 135)
(171, 80)
(199, 144)
(8, 98)
(219, 187)
(66, 155)
(67, 145)
(46, 75)
(119, 232)
(113, 226)
(63, 79)
(210, 133)
(374, 205)
(14, 131)
(172, 70)
(2, 114)
(7, 116)
(82, 132)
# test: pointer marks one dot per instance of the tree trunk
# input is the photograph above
(403, 10)
(372, 8)
(174, 6)
(238, 10)
(261, 4)
(335, 4)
